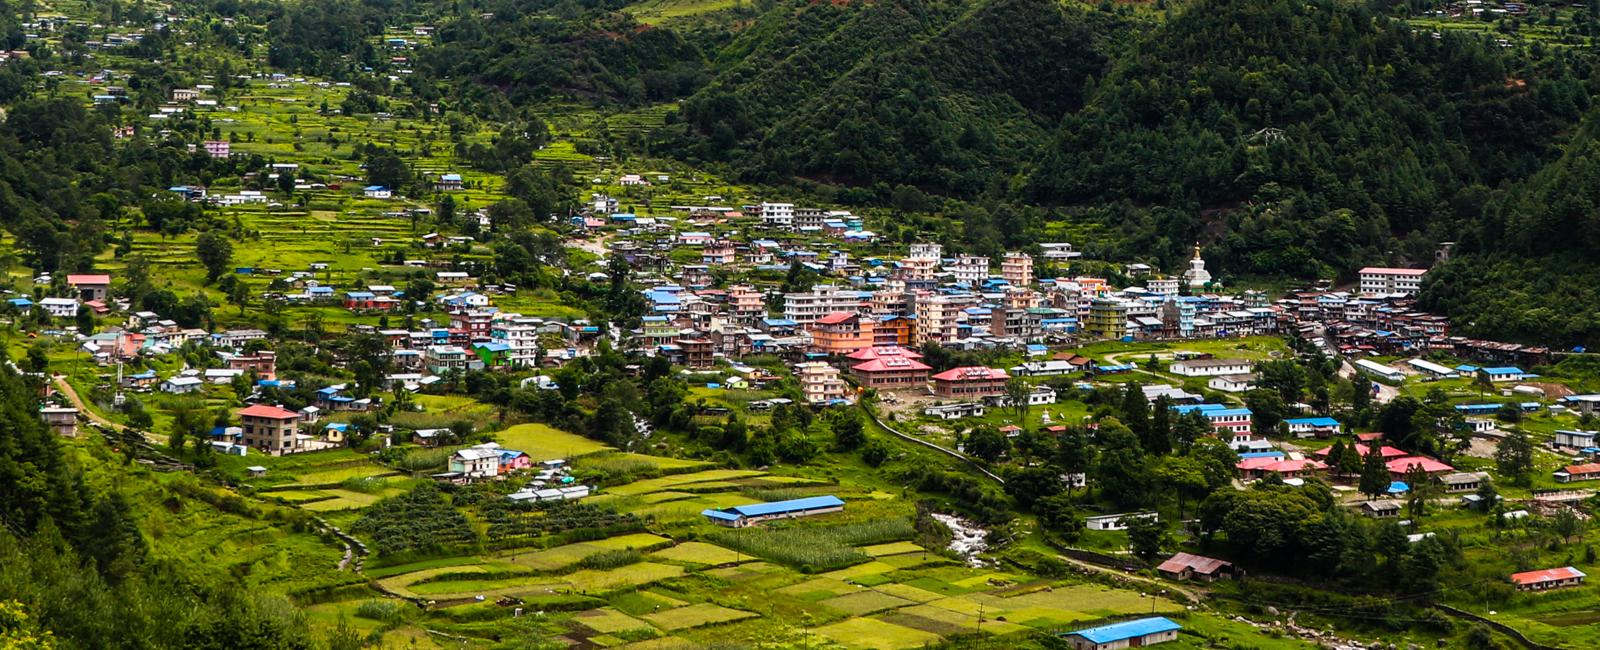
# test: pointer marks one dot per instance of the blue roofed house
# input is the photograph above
(448, 183)
(741, 516)
(1127, 634)
(376, 192)
(1505, 373)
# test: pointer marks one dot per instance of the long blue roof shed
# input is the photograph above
(1135, 629)
(738, 515)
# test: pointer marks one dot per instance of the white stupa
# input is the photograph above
(1197, 276)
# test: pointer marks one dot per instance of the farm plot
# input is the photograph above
(542, 442)
(677, 480)
(701, 553)
(683, 618)
(608, 621)
(874, 634)
(817, 548)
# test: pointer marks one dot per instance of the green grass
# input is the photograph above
(874, 634)
(815, 548)
(696, 615)
(542, 442)
(700, 553)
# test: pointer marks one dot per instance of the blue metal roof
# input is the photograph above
(1127, 630)
(1316, 422)
(1504, 370)
(792, 505)
(718, 514)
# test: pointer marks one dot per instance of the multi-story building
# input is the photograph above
(475, 323)
(970, 382)
(1108, 319)
(745, 304)
(717, 253)
(925, 250)
(62, 420)
(806, 307)
(697, 353)
(218, 148)
(820, 382)
(520, 335)
(939, 316)
(1017, 269)
(270, 429)
(779, 215)
(971, 269)
(891, 372)
(1162, 286)
(1376, 279)
(441, 359)
(809, 218)
(842, 333)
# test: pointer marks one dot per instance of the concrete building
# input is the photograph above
(842, 333)
(1017, 269)
(1377, 279)
(62, 420)
(806, 307)
(1108, 319)
(779, 215)
(271, 429)
(970, 382)
(820, 382)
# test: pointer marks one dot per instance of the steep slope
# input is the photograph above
(942, 95)
(1530, 268)
(1341, 128)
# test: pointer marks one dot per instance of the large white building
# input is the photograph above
(777, 214)
(806, 307)
(521, 335)
(1377, 279)
(970, 269)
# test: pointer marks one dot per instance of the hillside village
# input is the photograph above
(436, 378)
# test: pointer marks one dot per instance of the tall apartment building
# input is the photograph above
(520, 335)
(809, 217)
(971, 269)
(1108, 319)
(269, 428)
(806, 307)
(746, 305)
(1017, 269)
(940, 315)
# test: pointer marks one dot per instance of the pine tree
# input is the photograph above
(1374, 475)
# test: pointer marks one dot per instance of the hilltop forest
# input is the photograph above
(1294, 140)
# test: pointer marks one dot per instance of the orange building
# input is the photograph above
(841, 333)
(894, 330)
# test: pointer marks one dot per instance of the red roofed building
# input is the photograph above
(1399, 466)
(1184, 566)
(1547, 579)
(891, 373)
(970, 381)
(1585, 472)
(1254, 468)
(841, 333)
(90, 286)
(868, 354)
(269, 428)
(1388, 453)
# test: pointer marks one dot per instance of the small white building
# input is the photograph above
(1118, 521)
(1210, 367)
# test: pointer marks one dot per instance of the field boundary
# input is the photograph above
(943, 450)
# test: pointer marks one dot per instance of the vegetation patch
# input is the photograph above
(874, 634)
(816, 548)
(696, 615)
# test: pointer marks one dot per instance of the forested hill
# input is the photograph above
(1324, 136)
(1530, 268)
(948, 96)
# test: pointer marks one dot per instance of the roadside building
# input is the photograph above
(1545, 579)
